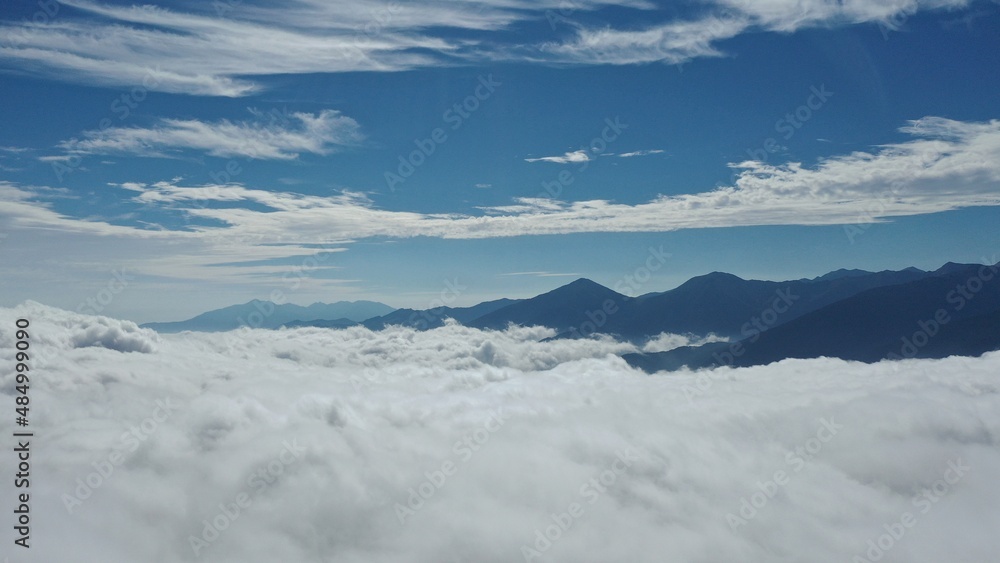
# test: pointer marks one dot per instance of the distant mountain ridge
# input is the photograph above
(434, 318)
(567, 308)
(953, 310)
(849, 314)
(265, 314)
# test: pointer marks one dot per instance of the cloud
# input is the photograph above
(331, 430)
(568, 158)
(641, 153)
(666, 341)
(484, 186)
(680, 41)
(234, 230)
(790, 15)
(218, 49)
(316, 133)
(673, 42)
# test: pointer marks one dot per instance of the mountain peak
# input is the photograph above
(842, 273)
(584, 286)
(952, 267)
(713, 277)
(583, 282)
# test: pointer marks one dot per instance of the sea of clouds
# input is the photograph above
(460, 445)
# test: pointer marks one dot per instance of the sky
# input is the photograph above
(460, 445)
(170, 158)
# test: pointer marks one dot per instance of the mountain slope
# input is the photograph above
(265, 314)
(434, 318)
(726, 305)
(322, 323)
(948, 311)
(582, 306)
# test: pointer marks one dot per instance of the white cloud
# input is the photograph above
(218, 48)
(672, 42)
(791, 15)
(373, 413)
(568, 158)
(641, 153)
(666, 341)
(283, 140)
(950, 165)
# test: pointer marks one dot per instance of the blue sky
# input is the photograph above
(203, 154)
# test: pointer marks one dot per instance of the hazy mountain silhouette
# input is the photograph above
(322, 323)
(849, 314)
(265, 314)
(434, 318)
(567, 308)
(932, 317)
(724, 304)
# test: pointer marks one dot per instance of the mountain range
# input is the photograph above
(848, 314)
(265, 314)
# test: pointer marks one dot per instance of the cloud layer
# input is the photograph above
(233, 230)
(275, 139)
(217, 49)
(318, 435)
(568, 158)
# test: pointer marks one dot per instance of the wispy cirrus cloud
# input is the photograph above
(221, 52)
(641, 153)
(672, 42)
(680, 41)
(948, 165)
(215, 49)
(568, 158)
(318, 133)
